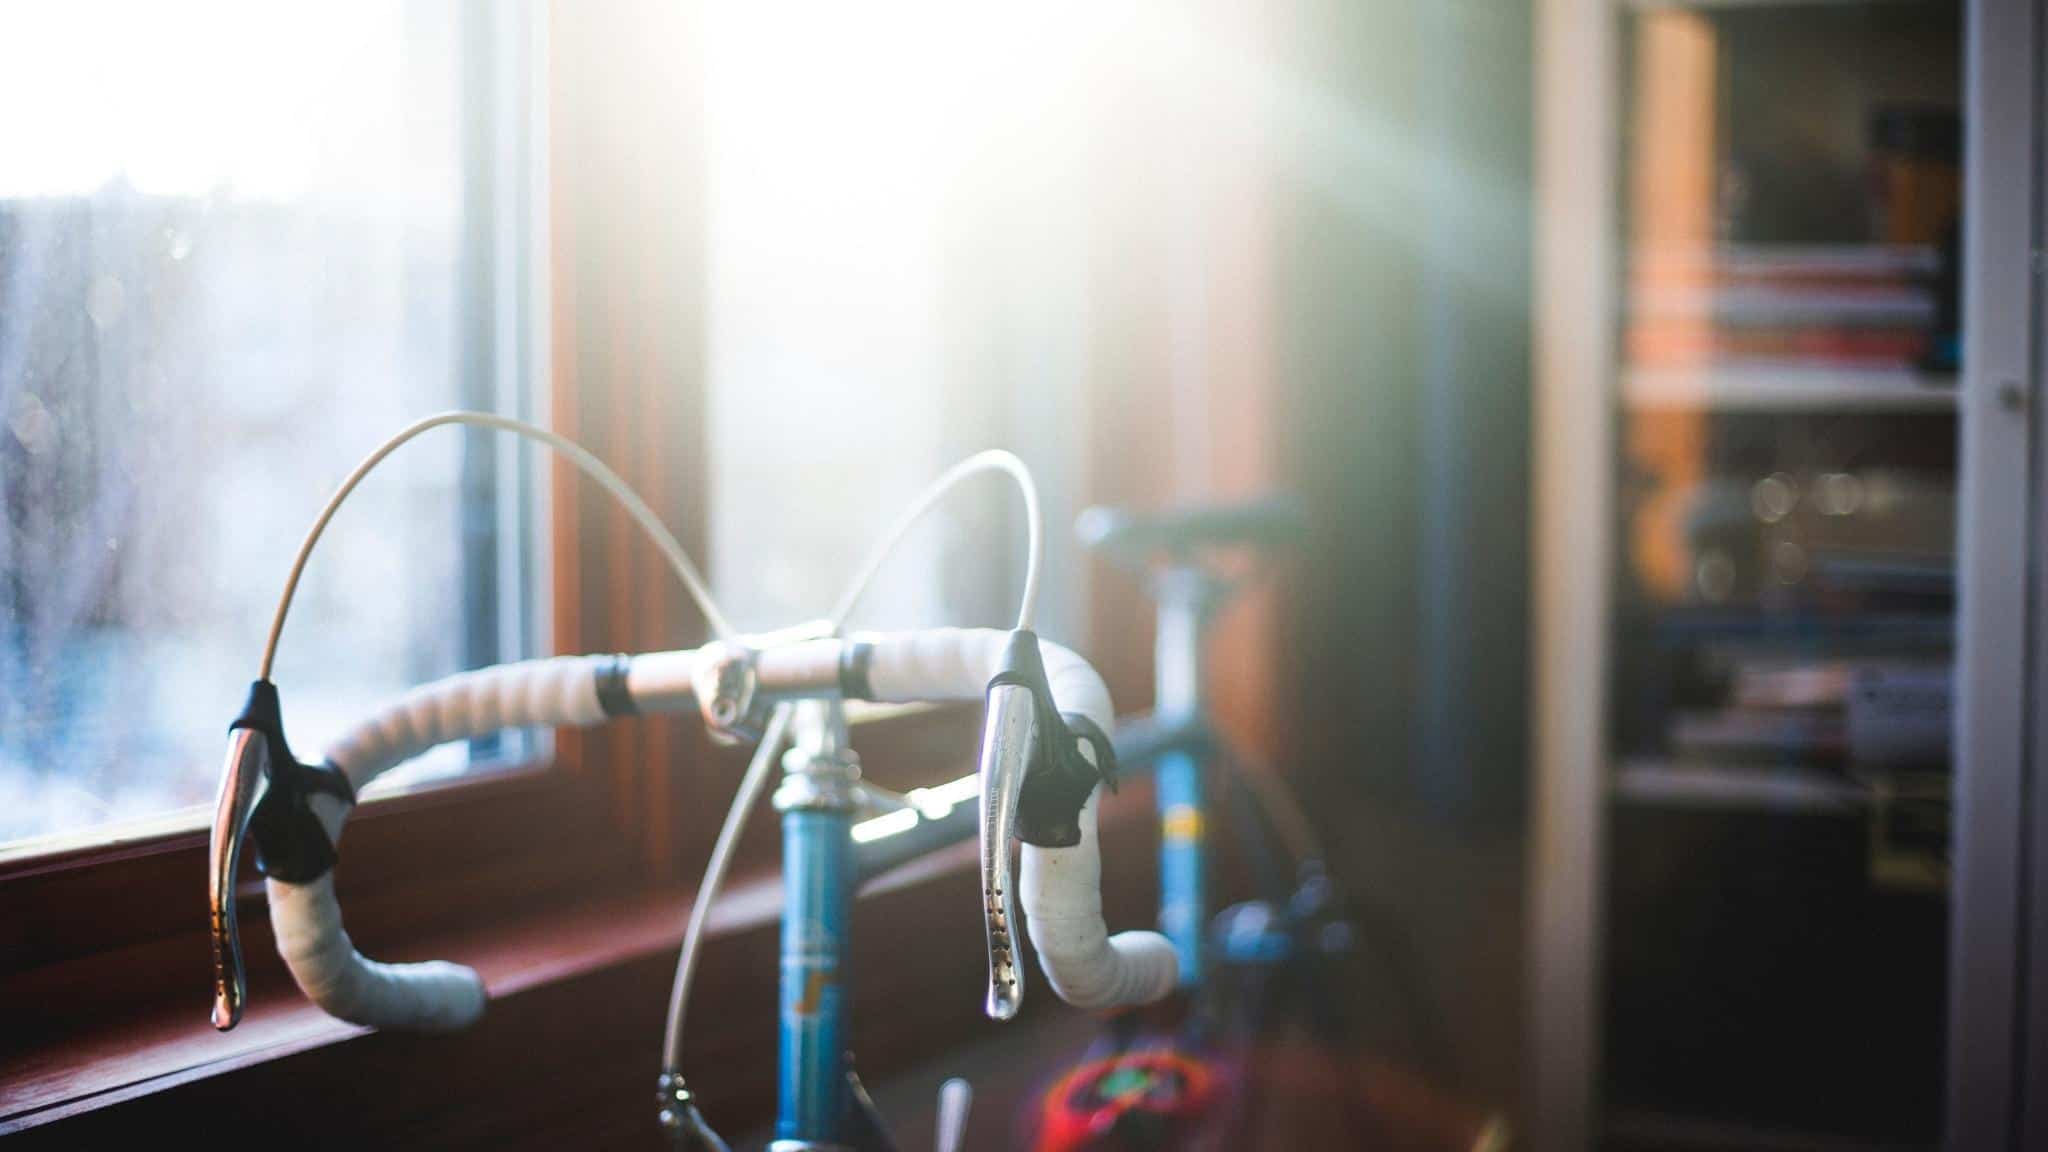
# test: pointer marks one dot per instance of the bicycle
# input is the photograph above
(1177, 551)
(1183, 1079)
(1169, 1080)
(1045, 752)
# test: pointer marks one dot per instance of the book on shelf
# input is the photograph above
(1808, 264)
(1868, 306)
(1737, 734)
(1759, 683)
(1866, 715)
(1772, 306)
(1790, 348)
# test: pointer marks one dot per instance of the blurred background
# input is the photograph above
(1624, 715)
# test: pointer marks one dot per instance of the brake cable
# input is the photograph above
(575, 453)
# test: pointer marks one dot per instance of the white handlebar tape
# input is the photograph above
(1061, 891)
(1061, 888)
(547, 693)
(433, 996)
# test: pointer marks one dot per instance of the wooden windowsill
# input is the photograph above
(166, 1047)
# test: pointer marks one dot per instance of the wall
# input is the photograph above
(1404, 145)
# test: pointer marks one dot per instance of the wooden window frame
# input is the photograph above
(109, 938)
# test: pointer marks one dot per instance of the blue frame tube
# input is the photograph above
(1185, 596)
(1183, 878)
(817, 871)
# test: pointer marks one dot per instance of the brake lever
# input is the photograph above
(1006, 752)
(240, 782)
(1038, 769)
(264, 792)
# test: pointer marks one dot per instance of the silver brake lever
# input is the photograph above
(240, 783)
(1006, 751)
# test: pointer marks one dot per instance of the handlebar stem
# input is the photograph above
(821, 772)
(727, 684)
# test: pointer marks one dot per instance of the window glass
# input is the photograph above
(234, 254)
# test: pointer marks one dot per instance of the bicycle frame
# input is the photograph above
(1188, 597)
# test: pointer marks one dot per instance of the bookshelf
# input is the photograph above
(1751, 415)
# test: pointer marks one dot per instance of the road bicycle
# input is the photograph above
(1258, 1024)
(1179, 1080)
(1046, 750)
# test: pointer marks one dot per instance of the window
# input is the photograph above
(240, 243)
(895, 280)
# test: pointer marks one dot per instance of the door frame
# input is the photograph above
(1999, 913)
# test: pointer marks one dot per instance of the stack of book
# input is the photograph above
(1865, 715)
(1833, 307)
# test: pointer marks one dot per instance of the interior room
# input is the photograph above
(1426, 575)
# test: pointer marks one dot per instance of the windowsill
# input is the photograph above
(165, 1047)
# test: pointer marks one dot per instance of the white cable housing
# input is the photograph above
(575, 453)
(992, 460)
